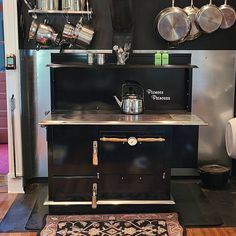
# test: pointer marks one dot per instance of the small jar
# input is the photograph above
(90, 58)
(100, 58)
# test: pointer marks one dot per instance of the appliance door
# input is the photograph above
(133, 152)
(138, 172)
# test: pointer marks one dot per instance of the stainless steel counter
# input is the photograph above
(108, 118)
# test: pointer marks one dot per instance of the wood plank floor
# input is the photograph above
(212, 232)
(5, 202)
(3, 183)
(7, 199)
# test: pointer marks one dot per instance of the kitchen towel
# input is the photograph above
(159, 224)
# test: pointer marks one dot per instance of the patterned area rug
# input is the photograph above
(161, 224)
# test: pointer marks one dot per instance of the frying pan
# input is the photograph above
(209, 18)
(229, 15)
(192, 11)
(173, 24)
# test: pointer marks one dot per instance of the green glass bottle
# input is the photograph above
(165, 58)
(158, 58)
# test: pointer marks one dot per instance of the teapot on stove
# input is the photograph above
(132, 101)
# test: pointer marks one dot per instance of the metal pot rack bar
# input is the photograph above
(37, 11)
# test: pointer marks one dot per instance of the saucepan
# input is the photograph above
(33, 29)
(173, 24)
(192, 12)
(209, 18)
(229, 16)
(43, 33)
(68, 33)
(46, 35)
(83, 34)
(79, 35)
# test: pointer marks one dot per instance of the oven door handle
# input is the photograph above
(151, 140)
(95, 153)
(125, 140)
(114, 140)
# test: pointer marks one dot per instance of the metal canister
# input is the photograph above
(90, 58)
(53, 4)
(46, 5)
(72, 5)
(68, 33)
(100, 58)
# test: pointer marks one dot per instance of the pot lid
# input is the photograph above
(132, 96)
(214, 168)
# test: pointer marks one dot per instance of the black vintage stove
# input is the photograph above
(100, 157)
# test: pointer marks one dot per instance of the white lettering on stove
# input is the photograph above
(152, 92)
(154, 95)
(158, 98)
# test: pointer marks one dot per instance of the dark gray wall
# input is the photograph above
(138, 26)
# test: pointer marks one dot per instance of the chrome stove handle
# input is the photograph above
(151, 140)
(114, 140)
(94, 196)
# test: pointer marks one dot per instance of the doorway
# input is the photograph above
(4, 164)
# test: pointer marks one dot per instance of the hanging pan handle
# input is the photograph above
(192, 3)
(173, 3)
(28, 4)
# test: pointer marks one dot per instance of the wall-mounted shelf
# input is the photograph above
(83, 65)
(36, 11)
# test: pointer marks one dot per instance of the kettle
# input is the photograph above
(132, 101)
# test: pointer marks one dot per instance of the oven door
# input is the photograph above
(131, 152)
(134, 165)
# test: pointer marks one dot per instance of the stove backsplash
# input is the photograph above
(93, 88)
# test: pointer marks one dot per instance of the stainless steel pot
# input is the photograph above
(46, 35)
(47, 5)
(68, 33)
(229, 16)
(83, 35)
(73, 5)
(132, 103)
(192, 12)
(209, 18)
(173, 24)
(33, 29)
